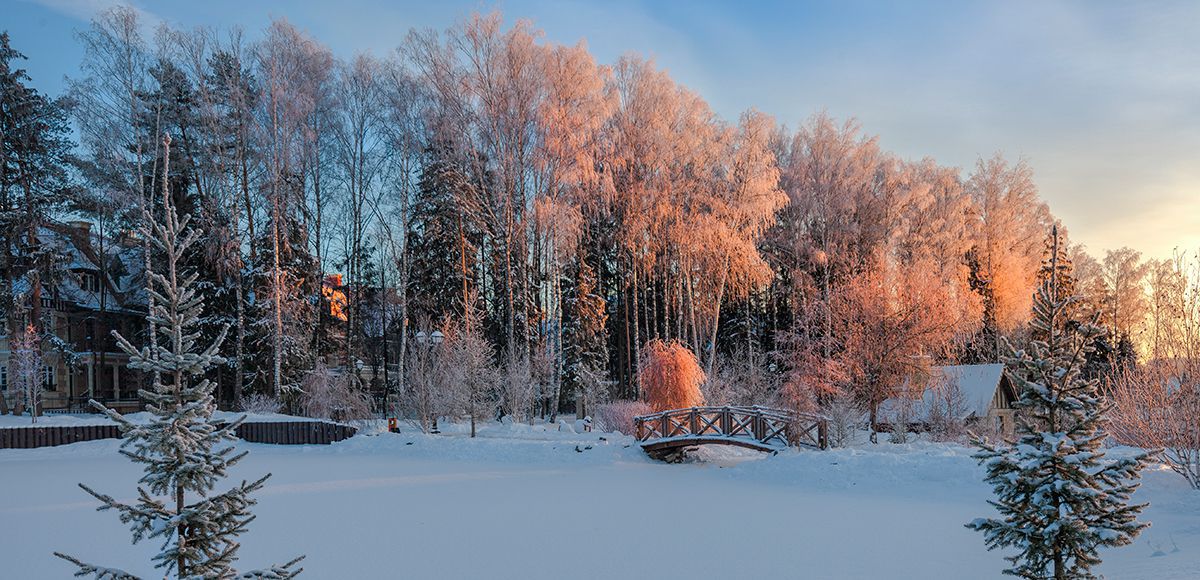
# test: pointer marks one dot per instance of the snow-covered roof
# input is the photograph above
(975, 387)
(977, 383)
(77, 252)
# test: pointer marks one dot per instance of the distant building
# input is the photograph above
(974, 394)
(102, 289)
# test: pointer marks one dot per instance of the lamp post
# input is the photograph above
(426, 341)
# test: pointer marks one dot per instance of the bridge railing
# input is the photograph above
(772, 427)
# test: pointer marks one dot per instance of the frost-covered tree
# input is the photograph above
(468, 373)
(25, 374)
(1060, 499)
(183, 451)
(337, 396)
(670, 376)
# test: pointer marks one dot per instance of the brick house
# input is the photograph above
(101, 289)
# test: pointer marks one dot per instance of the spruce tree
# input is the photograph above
(1060, 499)
(183, 451)
(587, 343)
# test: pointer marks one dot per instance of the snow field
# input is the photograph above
(526, 501)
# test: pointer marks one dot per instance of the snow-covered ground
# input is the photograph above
(531, 502)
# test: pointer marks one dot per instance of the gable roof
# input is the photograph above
(78, 251)
(976, 383)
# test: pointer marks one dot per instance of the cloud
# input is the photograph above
(85, 10)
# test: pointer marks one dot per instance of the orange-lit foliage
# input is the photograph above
(335, 296)
(670, 376)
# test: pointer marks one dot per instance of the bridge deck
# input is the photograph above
(693, 440)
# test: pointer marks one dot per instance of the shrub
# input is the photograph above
(618, 415)
(260, 404)
(330, 395)
(670, 376)
(845, 416)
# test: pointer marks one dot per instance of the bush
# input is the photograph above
(618, 415)
(845, 416)
(670, 376)
(260, 404)
(1158, 407)
(336, 396)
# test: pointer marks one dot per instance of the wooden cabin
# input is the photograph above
(979, 395)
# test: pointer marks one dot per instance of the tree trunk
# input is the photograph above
(712, 353)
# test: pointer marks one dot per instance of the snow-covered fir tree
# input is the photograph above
(183, 451)
(587, 345)
(1060, 499)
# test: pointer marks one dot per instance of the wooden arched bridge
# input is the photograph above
(664, 435)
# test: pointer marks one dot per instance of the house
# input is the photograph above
(101, 290)
(981, 395)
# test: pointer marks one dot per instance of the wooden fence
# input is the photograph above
(32, 436)
(295, 432)
(280, 433)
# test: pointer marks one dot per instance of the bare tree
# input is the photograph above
(1124, 307)
(1157, 406)
(467, 372)
(671, 376)
(336, 396)
(26, 373)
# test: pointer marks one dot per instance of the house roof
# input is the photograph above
(77, 251)
(976, 383)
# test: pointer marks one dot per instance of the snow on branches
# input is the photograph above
(182, 450)
(1059, 498)
(670, 376)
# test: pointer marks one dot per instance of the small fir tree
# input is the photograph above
(183, 451)
(1059, 498)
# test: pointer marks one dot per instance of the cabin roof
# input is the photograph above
(977, 383)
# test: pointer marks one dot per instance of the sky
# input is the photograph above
(1102, 99)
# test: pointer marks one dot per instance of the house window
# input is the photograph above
(90, 282)
(3, 377)
(48, 376)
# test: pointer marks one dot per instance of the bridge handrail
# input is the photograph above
(761, 424)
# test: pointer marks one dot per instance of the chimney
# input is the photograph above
(81, 226)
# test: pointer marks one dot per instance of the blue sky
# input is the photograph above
(1101, 98)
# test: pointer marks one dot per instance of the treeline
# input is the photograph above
(575, 210)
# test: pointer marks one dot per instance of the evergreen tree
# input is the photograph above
(36, 185)
(443, 237)
(298, 304)
(587, 347)
(1059, 497)
(182, 450)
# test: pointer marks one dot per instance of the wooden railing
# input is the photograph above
(761, 427)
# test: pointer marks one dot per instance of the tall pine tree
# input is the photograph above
(1060, 499)
(183, 451)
